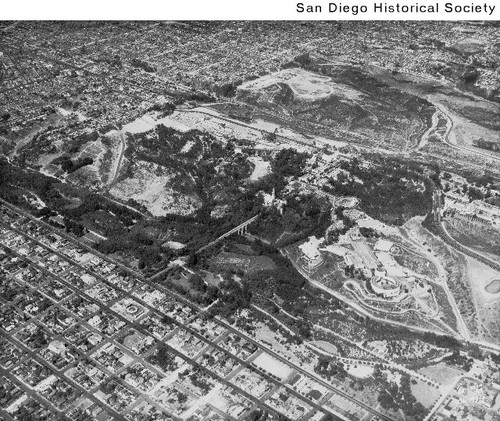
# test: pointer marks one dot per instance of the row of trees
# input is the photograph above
(399, 332)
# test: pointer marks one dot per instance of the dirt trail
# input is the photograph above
(412, 236)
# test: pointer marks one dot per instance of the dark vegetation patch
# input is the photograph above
(208, 168)
(68, 165)
(398, 397)
(41, 144)
(390, 190)
(278, 289)
(384, 110)
(304, 215)
(250, 264)
(243, 199)
(485, 117)
(459, 360)
(141, 64)
(94, 211)
(216, 174)
(377, 331)
(486, 144)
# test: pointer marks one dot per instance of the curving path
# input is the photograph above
(461, 148)
(445, 235)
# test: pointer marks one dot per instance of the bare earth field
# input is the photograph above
(441, 373)
(149, 185)
(261, 168)
(425, 394)
(304, 84)
(453, 269)
(493, 287)
(340, 101)
(481, 278)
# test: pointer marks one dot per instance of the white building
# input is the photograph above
(311, 254)
(386, 287)
(335, 249)
(383, 245)
(271, 200)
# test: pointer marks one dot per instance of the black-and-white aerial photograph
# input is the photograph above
(249, 220)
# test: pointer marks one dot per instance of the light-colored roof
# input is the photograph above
(383, 245)
(337, 250)
(310, 249)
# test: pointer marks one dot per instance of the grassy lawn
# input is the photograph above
(425, 394)
(441, 373)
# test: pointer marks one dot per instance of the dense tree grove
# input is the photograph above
(164, 358)
(329, 368)
(368, 232)
(391, 190)
(460, 360)
(398, 397)
(256, 415)
(495, 358)
(442, 341)
(13, 178)
(303, 216)
(232, 297)
(485, 144)
(69, 166)
(289, 162)
(475, 193)
(148, 254)
(74, 227)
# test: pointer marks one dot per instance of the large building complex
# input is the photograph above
(385, 286)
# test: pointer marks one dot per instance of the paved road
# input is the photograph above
(444, 234)
(447, 238)
(442, 275)
(462, 148)
(443, 397)
(185, 326)
(221, 322)
(105, 308)
(355, 306)
(116, 171)
(30, 393)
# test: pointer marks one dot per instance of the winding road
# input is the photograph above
(461, 148)
(442, 275)
(445, 235)
(142, 280)
(119, 162)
